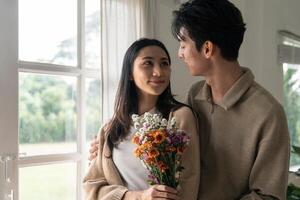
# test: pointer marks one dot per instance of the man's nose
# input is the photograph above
(180, 53)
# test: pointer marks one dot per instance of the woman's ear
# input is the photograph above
(130, 77)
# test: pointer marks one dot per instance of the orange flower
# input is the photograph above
(147, 145)
(138, 152)
(162, 166)
(159, 137)
(153, 153)
(180, 150)
(150, 161)
(170, 149)
(150, 136)
(136, 140)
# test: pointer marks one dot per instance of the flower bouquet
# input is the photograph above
(160, 145)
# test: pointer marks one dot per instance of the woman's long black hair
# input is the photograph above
(126, 101)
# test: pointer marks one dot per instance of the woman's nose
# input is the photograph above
(156, 70)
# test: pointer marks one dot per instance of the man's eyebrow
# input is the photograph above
(181, 37)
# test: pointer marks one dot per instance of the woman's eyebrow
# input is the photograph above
(147, 57)
(152, 58)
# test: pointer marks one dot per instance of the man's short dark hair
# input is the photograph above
(218, 21)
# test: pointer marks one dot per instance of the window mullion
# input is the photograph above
(81, 91)
(43, 68)
(47, 159)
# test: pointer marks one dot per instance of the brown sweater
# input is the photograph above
(244, 142)
(103, 181)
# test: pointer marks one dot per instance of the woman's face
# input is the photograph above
(151, 71)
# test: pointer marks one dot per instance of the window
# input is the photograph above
(60, 95)
(289, 57)
(70, 55)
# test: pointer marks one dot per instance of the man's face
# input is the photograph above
(188, 53)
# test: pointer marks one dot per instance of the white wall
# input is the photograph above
(181, 80)
(259, 49)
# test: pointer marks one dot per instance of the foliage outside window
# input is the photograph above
(291, 102)
(60, 95)
(289, 57)
(291, 88)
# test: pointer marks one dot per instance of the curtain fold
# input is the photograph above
(122, 22)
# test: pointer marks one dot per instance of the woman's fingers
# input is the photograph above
(165, 195)
(92, 156)
(165, 188)
(164, 192)
(94, 146)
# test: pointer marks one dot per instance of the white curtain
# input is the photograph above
(122, 22)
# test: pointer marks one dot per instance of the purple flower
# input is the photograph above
(168, 140)
(176, 139)
(153, 179)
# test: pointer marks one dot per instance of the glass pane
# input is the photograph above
(292, 108)
(92, 33)
(47, 114)
(48, 31)
(93, 107)
(48, 182)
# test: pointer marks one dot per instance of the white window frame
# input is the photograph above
(289, 53)
(81, 73)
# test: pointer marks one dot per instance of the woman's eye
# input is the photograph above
(147, 63)
(165, 63)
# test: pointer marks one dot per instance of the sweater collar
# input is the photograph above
(233, 94)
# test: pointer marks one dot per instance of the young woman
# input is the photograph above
(144, 87)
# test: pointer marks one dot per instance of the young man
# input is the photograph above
(244, 135)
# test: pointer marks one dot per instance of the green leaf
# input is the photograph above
(296, 150)
(293, 192)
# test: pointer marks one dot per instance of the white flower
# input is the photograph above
(173, 122)
(142, 131)
(148, 122)
(146, 125)
(147, 115)
(164, 122)
(135, 117)
(136, 125)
